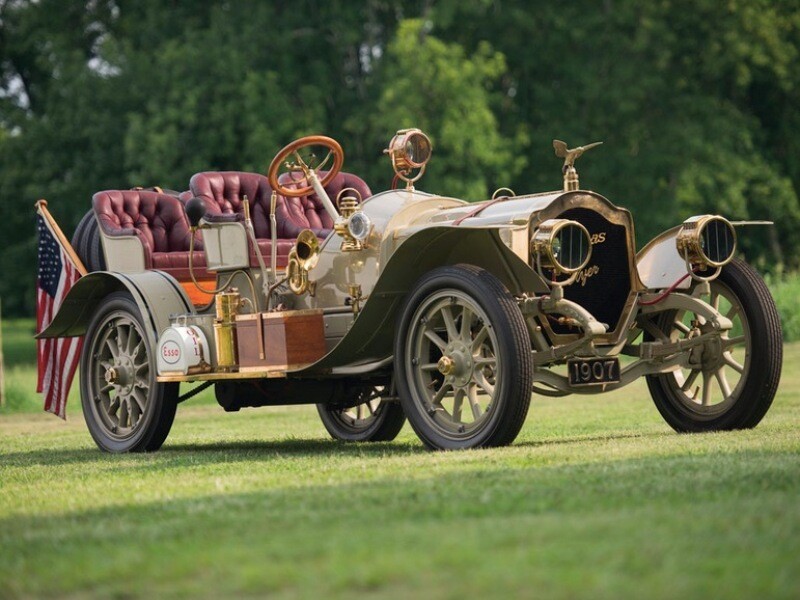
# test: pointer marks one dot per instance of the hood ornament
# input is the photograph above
(570, 156)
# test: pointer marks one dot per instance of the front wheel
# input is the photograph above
(125, 408)
(463, 360)
(729, 382)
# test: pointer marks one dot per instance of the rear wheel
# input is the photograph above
(730, 382)
(463, 360)
(77, 237)
(370, 420)
(125, 408)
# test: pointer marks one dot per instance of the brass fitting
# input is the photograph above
(352, 225)
(227, 306)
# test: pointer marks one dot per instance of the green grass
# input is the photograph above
(596, 499)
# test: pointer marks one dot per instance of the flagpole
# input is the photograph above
(41, 206)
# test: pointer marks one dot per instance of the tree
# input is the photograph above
(698, 102)
(427, 83)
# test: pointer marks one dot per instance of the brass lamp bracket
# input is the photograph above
(571, 182)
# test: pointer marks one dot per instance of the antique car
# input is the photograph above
(303, 287)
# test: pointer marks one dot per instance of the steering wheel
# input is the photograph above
(291, 158)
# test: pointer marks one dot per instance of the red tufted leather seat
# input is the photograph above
(158, 220)
(223, 192)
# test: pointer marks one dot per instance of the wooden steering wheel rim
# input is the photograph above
(309, 140)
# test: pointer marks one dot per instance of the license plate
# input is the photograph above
(593, 371)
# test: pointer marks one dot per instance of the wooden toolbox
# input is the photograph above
(280, 340)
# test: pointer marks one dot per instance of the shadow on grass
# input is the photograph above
(244, 450)
(578, 439)
(176, 455)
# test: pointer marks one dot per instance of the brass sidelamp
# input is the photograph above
(352, 224)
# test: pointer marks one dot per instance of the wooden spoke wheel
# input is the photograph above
(462, 359)
(729, 382)
(371, 419)
(125, 408)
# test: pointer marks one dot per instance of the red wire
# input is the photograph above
(666, 293)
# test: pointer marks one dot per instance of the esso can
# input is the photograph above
(182, 349)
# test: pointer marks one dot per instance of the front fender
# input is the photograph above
(659, 263)
(157, 294)
(371, 337)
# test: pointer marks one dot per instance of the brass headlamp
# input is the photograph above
(562, 245)
(706, 241)
(409, 149)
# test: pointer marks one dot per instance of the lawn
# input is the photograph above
(598, 498)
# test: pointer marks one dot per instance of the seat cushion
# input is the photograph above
(177, 263)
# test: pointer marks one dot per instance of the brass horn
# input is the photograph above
(302, 258)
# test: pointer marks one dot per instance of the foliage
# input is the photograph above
(786, 292)
(698, 102)
(433, 85)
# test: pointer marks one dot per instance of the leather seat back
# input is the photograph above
(224, 191)
(157, 219)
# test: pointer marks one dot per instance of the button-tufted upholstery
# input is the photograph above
(158, 220)
(223, 192)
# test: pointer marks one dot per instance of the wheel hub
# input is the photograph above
(457, 363)
(121, 375)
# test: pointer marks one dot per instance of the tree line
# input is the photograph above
(698, 102)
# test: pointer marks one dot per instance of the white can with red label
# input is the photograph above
(182, 349)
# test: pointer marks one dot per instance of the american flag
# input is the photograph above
(57, 357)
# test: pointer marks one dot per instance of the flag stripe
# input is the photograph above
(57, 358)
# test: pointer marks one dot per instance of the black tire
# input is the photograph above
(126, 410)
(94, 255)
(87, 244)
(80, 232)
(757, 369)
(428, 367)
(369, 420)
